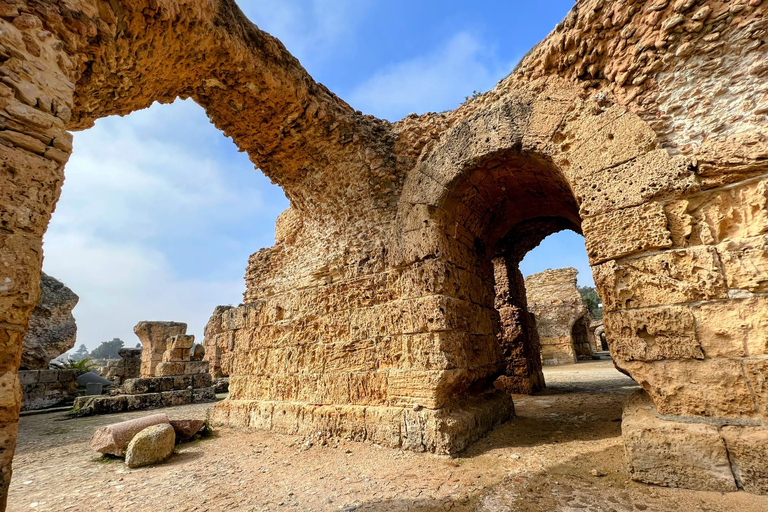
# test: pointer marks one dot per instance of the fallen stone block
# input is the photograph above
(113, 439)
(151, 445)
(185, 429)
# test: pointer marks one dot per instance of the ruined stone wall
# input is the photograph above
(640, 124)
(47, 388)
(554, 299)
(518, 337)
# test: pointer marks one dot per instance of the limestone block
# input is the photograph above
(691, 387)
(671, 453)
(439, 277)
(113, 439)
(431, 389)
(141, 402)
(757, 373)
(745, 263)
(748, 453)
(197, 353)
(150, 446)
(29, 379)
(608, 140)
(383, 425)
(627, 231)
(670, 277)
(207, 394)
(202, 380)
(733, 328)
(720, 215)
(195, 367)
(166, 369)
(352, 356)
(648, 176)
(653, 334)
(175, 355)
(180, 341)
(176, 397)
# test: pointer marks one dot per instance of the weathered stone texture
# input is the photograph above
(47, 388)
(150, 446)
(641, 125)
(52, 328)
(558, 307)
(673, 453)
(154, 340)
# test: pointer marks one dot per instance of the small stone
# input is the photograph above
(185, 429)
(150, 446)
(597, 473)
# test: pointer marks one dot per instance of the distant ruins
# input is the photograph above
(562, 319)
(52, 331)
(169, 374)
(641, 124)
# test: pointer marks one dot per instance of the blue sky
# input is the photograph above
(159, 211)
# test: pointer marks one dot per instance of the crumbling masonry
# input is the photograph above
(641, 124)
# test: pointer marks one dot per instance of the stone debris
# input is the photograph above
(114, 439)
(186, 429)
(150, 446)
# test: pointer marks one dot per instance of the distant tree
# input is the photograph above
(108, 349)
(138, 345)
(79, 354)
(592, 301)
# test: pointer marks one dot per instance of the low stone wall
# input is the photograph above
(150, 393)
(47, 388)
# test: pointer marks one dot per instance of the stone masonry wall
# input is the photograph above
(47, 388)
(640, 124)
(554, 299)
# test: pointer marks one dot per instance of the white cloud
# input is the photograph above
(157, 217)
(436, 81)
(122, 284)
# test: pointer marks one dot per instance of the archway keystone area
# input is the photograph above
(641, 124)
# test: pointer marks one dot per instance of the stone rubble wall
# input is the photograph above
(640, 124)
(47, 388)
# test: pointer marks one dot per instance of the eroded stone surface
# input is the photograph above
(561, 316)
(150, 446)
(52, 328)
(382, 270)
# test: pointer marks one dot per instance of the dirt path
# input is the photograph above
(543, 460)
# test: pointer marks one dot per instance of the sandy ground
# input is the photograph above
(562, 453)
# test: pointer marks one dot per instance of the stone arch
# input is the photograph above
(67, 64)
